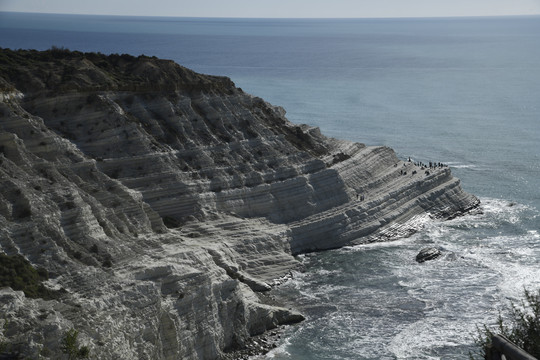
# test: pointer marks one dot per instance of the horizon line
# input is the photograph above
(280, 18)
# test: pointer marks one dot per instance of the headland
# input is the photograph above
(161, 205)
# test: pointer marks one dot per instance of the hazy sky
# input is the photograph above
(279, 8)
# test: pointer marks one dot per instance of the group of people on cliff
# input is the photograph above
(431, 165)
(422, 166)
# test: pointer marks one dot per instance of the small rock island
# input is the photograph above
(155, 206)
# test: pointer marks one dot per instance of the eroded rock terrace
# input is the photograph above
(164, 202)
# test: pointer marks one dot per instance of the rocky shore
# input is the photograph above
(161, 203)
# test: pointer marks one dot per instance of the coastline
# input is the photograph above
(177, 198)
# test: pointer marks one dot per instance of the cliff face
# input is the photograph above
(164, 202)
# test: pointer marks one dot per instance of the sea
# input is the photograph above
(462, 91)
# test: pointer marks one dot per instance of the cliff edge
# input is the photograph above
(160, 204)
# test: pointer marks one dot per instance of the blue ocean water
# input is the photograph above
(463, 91)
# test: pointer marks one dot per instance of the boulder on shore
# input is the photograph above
(429, 253)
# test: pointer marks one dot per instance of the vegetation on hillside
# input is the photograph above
(522, 327)
(60, 69)
(17, 273)
(70, 346)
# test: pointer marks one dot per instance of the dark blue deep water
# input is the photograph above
(463, 91)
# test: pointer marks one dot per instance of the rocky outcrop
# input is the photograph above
(165, 202)
(427, 254)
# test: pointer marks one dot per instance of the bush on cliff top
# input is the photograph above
(59, 70)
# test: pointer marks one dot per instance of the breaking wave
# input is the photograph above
(375, 302)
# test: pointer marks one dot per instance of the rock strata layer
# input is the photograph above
(164, 202)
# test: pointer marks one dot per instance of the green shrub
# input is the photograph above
(69, 346)
(17, 273)
(522, 327)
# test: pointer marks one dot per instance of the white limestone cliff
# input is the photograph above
(164, 202)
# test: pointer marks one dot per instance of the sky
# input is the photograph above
(280, 8)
